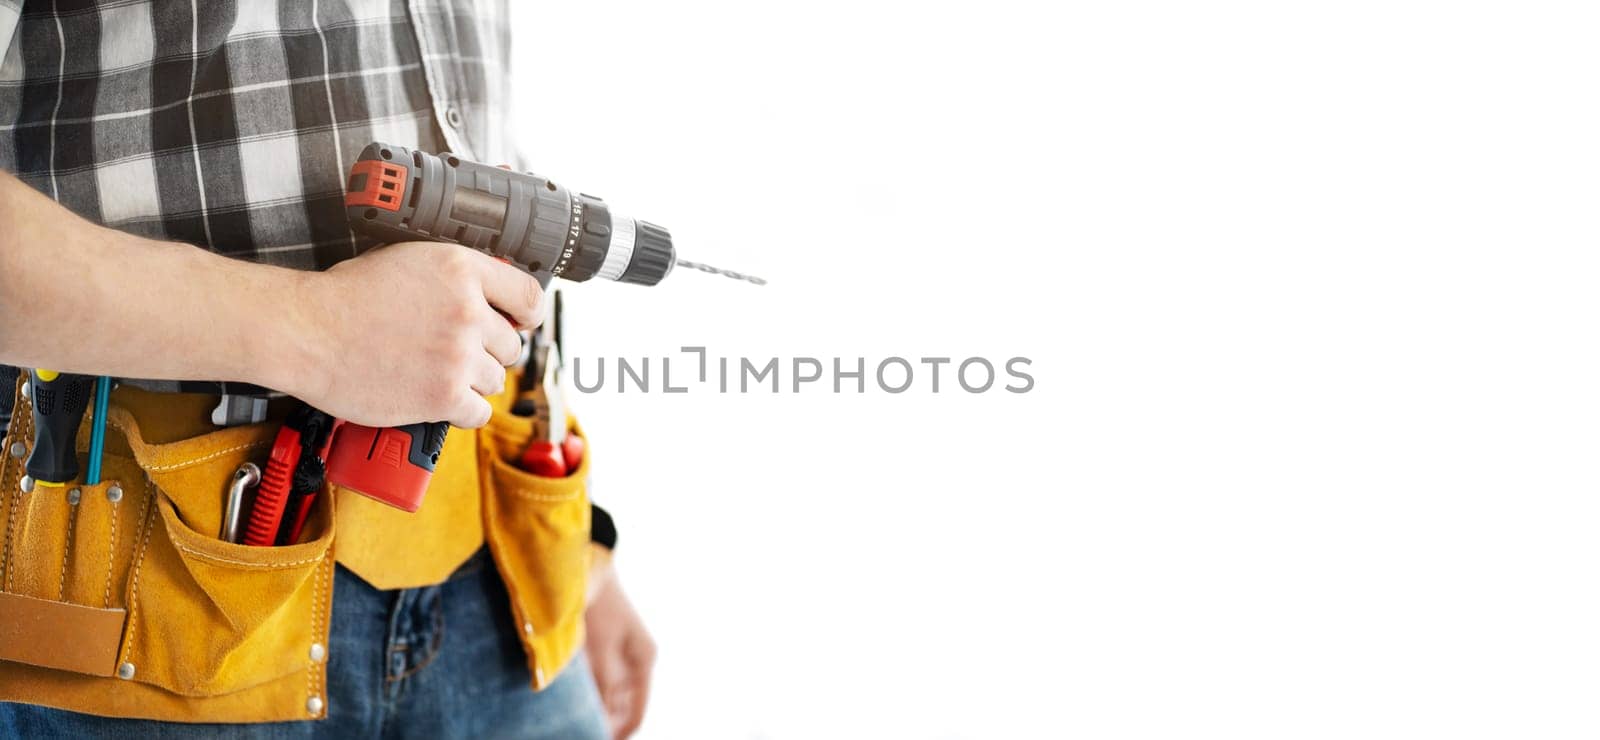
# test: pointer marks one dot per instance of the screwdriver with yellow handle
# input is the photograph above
(59, 401)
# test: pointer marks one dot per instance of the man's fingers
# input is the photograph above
(513, 291)
(500, 339)
(611, 680)
(626, 701)
(637, 696)
(472, 411)
(490, 377)
(631, 716)
(619, 703)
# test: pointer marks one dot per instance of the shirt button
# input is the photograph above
(452, 116)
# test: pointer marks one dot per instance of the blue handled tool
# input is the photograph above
(97, 428)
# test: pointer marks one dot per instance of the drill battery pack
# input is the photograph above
(392, 465)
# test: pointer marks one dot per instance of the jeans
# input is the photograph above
(435, 662)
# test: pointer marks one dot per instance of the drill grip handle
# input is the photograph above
(391, 465)
(427, 440)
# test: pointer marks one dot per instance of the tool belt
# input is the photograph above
(119, 599)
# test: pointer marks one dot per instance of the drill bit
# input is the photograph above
(719, 271)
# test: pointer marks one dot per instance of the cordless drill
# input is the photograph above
(400, 194)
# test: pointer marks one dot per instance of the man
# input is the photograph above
(175, 212)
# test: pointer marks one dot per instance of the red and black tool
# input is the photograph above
(292, 479)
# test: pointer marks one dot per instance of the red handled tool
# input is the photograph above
(272, 495)
(559, 454)
(292, 479)
(542, 458)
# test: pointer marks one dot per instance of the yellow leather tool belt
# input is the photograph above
(119, 599)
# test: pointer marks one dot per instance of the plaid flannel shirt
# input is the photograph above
(229, 124)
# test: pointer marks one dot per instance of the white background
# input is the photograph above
(1310, 293)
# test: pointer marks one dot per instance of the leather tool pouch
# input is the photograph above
(127, 580)
(120, 600)
(538, 531)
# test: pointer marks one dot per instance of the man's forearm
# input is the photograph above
(78, 297)
(412, 332)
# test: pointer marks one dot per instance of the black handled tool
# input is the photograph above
(59, 401)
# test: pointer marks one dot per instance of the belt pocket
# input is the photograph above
(197, 617)
(538, 531)
(209, 617)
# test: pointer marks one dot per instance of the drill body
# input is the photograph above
(400, 194)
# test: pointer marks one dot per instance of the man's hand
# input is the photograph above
(407, 333)
(415, 331)
(621, 652)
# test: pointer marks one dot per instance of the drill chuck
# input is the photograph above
(400, 194)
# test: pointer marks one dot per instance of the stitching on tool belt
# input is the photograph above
(530, 495)
(138, 563)
(231, 561)
(114, 422)
(212, 456)
(207, 458)
(11, 525)
(320, 627)
(316, 608)
(21, 426)
(111, 560)
(66, 552)
(325, 614)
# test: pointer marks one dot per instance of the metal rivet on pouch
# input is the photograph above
(125, 671)
(27, 391)
(314, 705)
(527, 627)
(74, 495)
(114, 493)
(18, 449)
(318, 652)
(26, 484)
